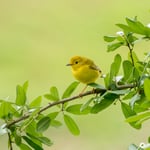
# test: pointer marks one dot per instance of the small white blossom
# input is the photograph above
(148, 25)
(3, 129)
(117, 78)
(103, 76)
(120, 33)
(144, 146)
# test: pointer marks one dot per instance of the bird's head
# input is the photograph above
(76, 62)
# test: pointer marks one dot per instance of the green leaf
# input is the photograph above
(117, 61)
(24, 147)
(124, 27)
(147, 88)
(42, 139)
(56, 123)
(134, 56)
(43, 124)
(112, 73)
(101, 106)
(53, 115)
(20, 96)
(138, 117)
(136, 26)
(146, 104)
(138, 108)
(36, 102)
(107, 80)
(109, 38)
(72, 126)
(131, 39)
(108, 99)
(31, 128)
(29, 121)
(115, 66)
(114, 46)
(128, 112)
(70, 89)
(32, 144)
(97, 86)
(7, 111)
(86, 105)
(120, 92)
(45, 140)
(134, 99)
(13, 111)
(53, 95)
(76, 109)
(17, 138)
(25, 86)
(133, 147)
(129, 95)
(128, 70)
(149, 139)
(147, 32)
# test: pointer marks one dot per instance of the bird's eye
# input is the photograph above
(76, 62)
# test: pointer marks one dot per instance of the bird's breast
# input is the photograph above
(85, 74)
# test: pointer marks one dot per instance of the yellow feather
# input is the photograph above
(84, 69)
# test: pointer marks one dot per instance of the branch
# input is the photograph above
(121, 87)
(10, 141)
(65, 100)
(130, 46)
(95, 91)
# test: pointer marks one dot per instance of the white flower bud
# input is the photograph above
(148, 25)
(144, 146)
(120, 33)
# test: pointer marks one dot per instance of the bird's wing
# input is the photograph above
(94, 67)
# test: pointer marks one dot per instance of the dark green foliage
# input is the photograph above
(127, 83)
(128, 112)
(30, 142)
(147, 88)
(103, 102)
(128, 70)
(43, 124)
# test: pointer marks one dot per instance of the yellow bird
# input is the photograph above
(84, 69)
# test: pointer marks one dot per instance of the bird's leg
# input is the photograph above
(94, 92)
(83, 91)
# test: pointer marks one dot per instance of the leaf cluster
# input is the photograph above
(127, 84)
(135, 102)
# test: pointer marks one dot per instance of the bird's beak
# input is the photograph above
(69, 65)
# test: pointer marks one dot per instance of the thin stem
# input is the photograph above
(131, 49)
(10, 141)
(130, 46)
(121, 87)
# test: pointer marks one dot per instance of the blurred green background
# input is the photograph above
(37, 39)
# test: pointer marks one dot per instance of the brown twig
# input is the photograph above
(10, 141)
(130, 49)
